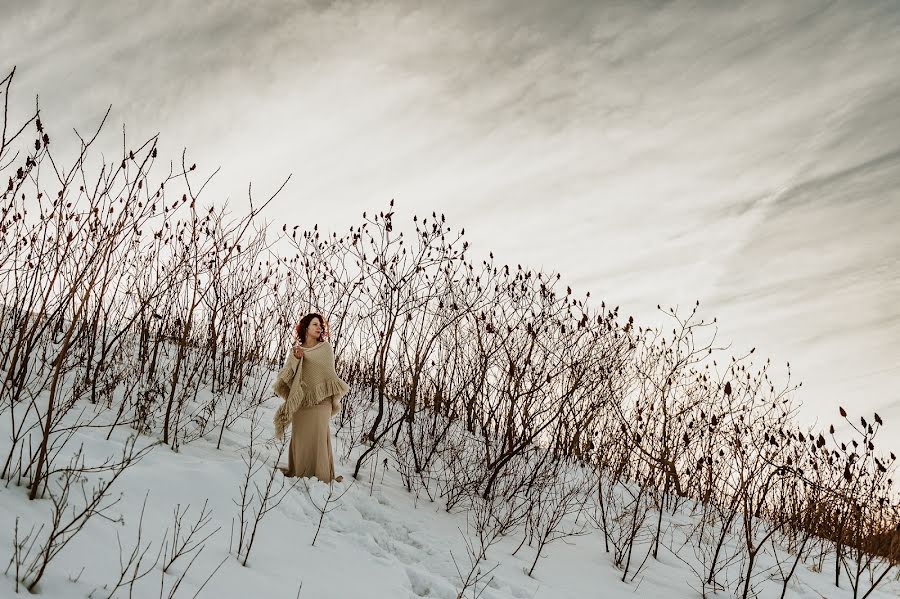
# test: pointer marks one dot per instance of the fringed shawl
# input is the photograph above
(306, 382)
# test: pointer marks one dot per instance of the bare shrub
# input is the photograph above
(68, 518)
(329, 503)
(565, 495)
(133, 567)
(262, 489)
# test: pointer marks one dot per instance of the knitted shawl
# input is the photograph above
(306, 382)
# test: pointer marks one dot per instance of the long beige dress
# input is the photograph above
(310, 451)
(312, 391)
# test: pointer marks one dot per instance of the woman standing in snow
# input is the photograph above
(312, 392)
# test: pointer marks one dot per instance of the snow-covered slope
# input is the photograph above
(376, 539)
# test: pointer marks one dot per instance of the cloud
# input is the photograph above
(743, 155)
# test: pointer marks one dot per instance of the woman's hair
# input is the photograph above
(304, 323)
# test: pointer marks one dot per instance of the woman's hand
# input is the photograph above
(298, 352)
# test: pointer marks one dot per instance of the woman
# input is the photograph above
(312, 392)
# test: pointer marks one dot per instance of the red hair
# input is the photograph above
(300, 328)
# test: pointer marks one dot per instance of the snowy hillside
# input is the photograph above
(505, 435)
(376, 539)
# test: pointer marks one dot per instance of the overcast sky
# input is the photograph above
(743, 154)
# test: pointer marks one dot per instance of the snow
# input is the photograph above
(377, 540)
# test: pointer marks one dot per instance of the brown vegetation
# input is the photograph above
(485, 383)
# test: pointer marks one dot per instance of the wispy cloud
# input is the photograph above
(744, 155)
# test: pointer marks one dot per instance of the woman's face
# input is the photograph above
(314, 329)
